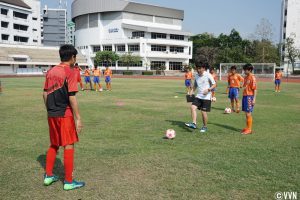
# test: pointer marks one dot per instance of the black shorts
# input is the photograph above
(202, 104)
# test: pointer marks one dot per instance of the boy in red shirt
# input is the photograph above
(78, 70)
(59, 96)
(278, 77)
(249, 97)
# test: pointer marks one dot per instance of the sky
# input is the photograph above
(217, 16)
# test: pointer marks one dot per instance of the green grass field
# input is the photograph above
(121, 153)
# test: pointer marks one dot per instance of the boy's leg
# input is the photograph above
(204, 118)
(69, 162)
(232, 104)
(237, 105)
(194, 113)
(50, 159)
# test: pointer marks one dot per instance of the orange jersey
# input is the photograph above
(188, 76)
(87, 72)
(234, 80)
(108, 72)
(249, 85)
(278, 75)
(96, 72)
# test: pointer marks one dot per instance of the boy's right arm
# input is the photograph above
(74, 106)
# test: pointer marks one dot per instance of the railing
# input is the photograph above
(33, 71)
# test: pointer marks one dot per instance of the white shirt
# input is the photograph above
(203, 83)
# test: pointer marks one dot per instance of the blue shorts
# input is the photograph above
(277, 82)
(233, 93)
(87, 79)
(96, 79)
(188, 83)
(107, 79)
(247, 104)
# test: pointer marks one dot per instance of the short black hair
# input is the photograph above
(86, 67)
(248, 67)
(96, 67)
(76, 64)
(66, 52)
(233, 67)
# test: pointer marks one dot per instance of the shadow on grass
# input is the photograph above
(180, 125)
(226, 127)
(216, 108)
(58, 167)
(180, 92)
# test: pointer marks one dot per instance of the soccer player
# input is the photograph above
(97, 74)
(78, 70)
(204, 84)
(87, 78)
(227, 89)
(249, 97)
(108, 76)
(213, 92)
(235, 83)
(188, 80)
(59, 96)
(278, 77)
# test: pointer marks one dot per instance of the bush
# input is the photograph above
(127, 73)
(158, 72)
(147, 73)
(296, 72)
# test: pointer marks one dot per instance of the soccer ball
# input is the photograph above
(214, 99)
(227, 111)
(170, 134)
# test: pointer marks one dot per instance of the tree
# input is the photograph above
(129, 59)
(264, 30)
(291, 53)
(206, 55)
(106, 56)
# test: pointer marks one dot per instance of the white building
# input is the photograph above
(20, 22)
(152, 32)
(290, 26)
(71, 33)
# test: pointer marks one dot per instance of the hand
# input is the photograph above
(253, 102)
(205, 92)
(79, 125)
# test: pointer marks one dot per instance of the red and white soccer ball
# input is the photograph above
(227, 110)
(214, 99)
(170, 134)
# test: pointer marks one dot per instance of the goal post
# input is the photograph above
(261, 70)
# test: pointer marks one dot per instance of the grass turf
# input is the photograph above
(121, 153)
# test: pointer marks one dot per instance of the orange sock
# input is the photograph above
(249, 122)
(237, 105)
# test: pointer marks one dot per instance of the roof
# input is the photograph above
(19, 3)
(83, 7)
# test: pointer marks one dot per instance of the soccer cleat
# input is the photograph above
(244, 130)
(203, 129)
(191, 125)
(73, 185)
(247, 132)
(48, 180)
(238, 111)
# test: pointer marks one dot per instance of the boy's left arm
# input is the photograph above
(254, 97)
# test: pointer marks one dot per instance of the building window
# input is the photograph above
(176, 37)
(139, 64)
(4, 11)
(157, 64)
(4, 24)
(34, 18)
(138, 34)
(284, 36)
(285, 24)
(20, 39)
(175, 65)
(20, 15)
(107, 48)
(34, 29)
(133, 48)
(158, 36)
(158, 48)
(121, 48)
(35, 41)
(20, 27)
(285, 12)
(176, 49)
(4, 37)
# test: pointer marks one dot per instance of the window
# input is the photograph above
(176, 49)
(157, 64)
(34, 18)
(139, 64)
(34, 29)
(133, 48)
(121, 48)
(4, 11)
(158, 48)
(176, 37)
(284, 36)
(20, 27)
(20, 39)
(158, 36)
(138, 34)
(107, 48)
(20, 15)
(35, 41)
(175, 65)
(4, 37)
(4, 24)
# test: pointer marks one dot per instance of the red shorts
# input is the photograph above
(62, 131)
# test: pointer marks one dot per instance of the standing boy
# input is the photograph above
(78, 71)
(97, 74)
(249, 97)
(108, 76)
(213, 92)
(234, 83)
(188, 80)
(278, 77)
(87, 77)
(59, 97)
(204, 83)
